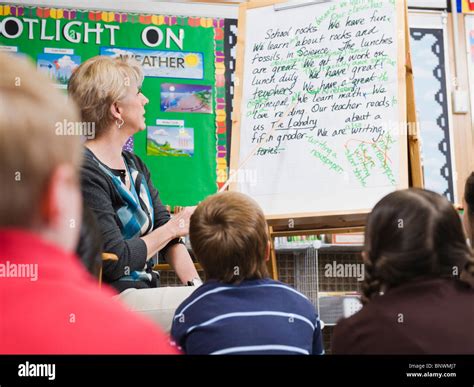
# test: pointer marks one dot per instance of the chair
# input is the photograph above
(106, 257)
(167, 267)
(157, 267)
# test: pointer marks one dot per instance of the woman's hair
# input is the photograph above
(33, 139)
(100, 82)
(469, 213)
(469, 199)
(229, 237)
(89, 246)
(412, 234)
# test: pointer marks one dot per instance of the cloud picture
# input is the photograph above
(171, 141)
(58, 66)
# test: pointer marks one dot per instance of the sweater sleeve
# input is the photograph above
(161, 214)
(132, 253)
(342, 341)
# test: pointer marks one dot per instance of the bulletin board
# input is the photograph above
(184, 145)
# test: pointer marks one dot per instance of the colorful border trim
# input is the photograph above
(220, 104)
(467, 6)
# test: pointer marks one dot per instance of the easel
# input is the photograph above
(354, 222)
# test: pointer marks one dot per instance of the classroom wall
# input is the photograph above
(462, 123)
(462, 128)
(207, 166)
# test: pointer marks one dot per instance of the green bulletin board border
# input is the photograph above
(147, 19)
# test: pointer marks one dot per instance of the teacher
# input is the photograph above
(116, 184)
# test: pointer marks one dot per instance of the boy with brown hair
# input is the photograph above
(239, 309)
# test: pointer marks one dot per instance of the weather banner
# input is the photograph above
(163, 64)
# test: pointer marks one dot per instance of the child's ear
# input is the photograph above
(267, 251)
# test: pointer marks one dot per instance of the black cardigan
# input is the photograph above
(101, 196)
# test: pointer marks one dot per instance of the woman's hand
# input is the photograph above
(179, 223)
(176, 227)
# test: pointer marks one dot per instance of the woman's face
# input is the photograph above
(133, 109)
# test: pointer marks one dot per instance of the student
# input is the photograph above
(49, 304)
(239, 310)
(468, 222)
(415, 303)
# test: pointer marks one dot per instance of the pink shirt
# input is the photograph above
(49, 304)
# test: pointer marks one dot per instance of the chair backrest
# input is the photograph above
(106, 257)
(167, 267)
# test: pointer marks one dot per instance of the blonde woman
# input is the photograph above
(116, 184)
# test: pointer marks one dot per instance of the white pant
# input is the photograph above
(157, 304)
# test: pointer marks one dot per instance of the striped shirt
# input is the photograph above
(254, 317)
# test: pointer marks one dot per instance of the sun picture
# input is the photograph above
(191, 60)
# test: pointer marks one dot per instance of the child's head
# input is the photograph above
(469, 207)
(39, 160)
(412, 234)
(229, 237)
